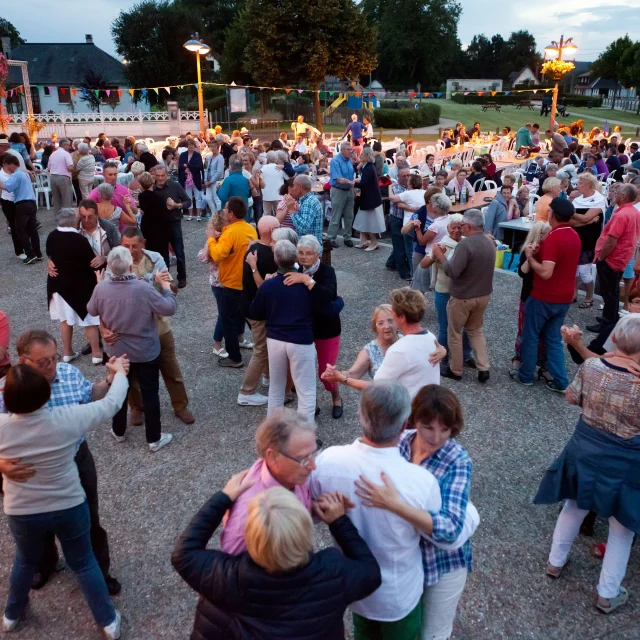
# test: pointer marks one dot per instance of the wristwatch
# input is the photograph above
(311, 282)
(253, 270)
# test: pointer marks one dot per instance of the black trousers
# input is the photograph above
(99, 541)
(230, 311)
(178, 248)
(610, 291)
(148, 375)
(9, 210)
(27, 228)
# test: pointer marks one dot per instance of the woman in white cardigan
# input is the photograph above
(52, 500)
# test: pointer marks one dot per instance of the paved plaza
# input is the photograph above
(512, 434)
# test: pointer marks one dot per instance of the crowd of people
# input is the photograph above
(396, 500)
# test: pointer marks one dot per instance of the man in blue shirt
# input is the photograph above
(357, 130)
(19, 184)
(342, 174)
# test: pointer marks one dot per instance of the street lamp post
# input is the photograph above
(568, 47)
(200, 49)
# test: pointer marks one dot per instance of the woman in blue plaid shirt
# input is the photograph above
(437, 415)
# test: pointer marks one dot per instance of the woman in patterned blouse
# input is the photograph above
(446, 554)
(599, 469)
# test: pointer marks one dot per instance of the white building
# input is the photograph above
(459, 85)
(59, 74)
(524, 76)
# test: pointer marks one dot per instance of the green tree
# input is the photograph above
(7, 30)
(294, 43)
(630, 64)
(235, 44)
(215, 17)
(518, 52)
(150, 36)
(418, 42)
(608, 64)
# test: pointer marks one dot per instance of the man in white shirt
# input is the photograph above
(60, 166)
(5, 148)
(393, 610)
(300, 147)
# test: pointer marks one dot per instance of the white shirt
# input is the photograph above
(439, 227)
(393, 541)
(5, 195)
(274, 178)
(407, 362)
(414, 198)
(15, 154)
(301, 147)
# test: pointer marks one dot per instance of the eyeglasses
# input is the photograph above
(307, 460)
(45, 362)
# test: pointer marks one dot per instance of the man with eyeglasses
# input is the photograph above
(39, 350)
(287, 449)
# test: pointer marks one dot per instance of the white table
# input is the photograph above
(519, 225)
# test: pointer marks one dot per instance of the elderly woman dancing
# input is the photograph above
(599, 469)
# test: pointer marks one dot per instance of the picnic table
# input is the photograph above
(477, 201)
(515, 232)
(525, 103)
(491, 105)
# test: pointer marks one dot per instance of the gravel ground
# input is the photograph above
(512, 433)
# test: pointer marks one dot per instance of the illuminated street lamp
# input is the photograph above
(198, 47)
(557, 68)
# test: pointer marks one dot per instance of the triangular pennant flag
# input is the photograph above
(331, 93)
(108, 92)
(131, 92)
(412, 94)
(371, 94)
(439, 95)
(493, 93)
(157, 90)
(480, 92)
(547, 90)
(62, 89)
(233, 84)
(383, 94)
(288, 90)
(506, 93)
(196, 85)
(427, 94)
(119, 93)
(534, 91)
(74, 91)
(167, 89)
(11, 93)
(300, 90)
(454, 94)
(466, 93)
(358, 93)
(84, 92)
(180, 86)
(97, 92)
(144, 93)
(261, 88)
(51, 89)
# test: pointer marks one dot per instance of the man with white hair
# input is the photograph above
(392, 611)
(274, 177)
(235, 184)
(127, 307)
(60, 168)
(308, 218)
(471, 271)
(342, 178)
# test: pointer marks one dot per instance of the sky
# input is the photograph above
(593, 24)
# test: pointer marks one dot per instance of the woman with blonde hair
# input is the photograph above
(551, 189)
(278, 588)
(137, 168)
(112, 213)
(456, 165)
(538, 232)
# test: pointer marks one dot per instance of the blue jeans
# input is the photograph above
(217, 332)
(71, 527)
(400, 257)
(440, 301)
(542, 321)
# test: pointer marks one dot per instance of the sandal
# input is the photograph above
(554, 572)
(585, 304)
(613, 603)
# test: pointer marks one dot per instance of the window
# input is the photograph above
(47, 91)
(64, 95)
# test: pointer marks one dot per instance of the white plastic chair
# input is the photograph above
(43, 186)
(533, 198)
(490, 185)
(37, 166)
(98, 169)
(388, 161)
(478, 184)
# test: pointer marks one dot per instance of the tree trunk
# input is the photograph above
(316, 104)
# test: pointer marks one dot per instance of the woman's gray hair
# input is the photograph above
(455, 218)
(626, 334)
(384, 409)
(275, 431)
(220, 138)
(552, 166)
(142, 147)
(105, 191)
(285, 233)
(119, 261)
(83, 148)
(285, 254)
(137, 168)
(367, 154)
(271, 157)
(441, 203)
(311, 242)
(235, 163)
(281, 155)
(474, 217)
(67, 217)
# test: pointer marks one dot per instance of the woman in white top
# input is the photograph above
(274, 178)
(406, 361)
(86, 168)
(52, 501)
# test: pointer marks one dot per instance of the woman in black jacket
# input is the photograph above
(326, 311)
(155, 224)
(190, 176)
(70, 290)
(279, 589)
(370, 217)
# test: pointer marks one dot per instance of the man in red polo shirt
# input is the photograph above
(614, 249)
(554, 265)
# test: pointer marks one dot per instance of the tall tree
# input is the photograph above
(418, 42)
(296, 43)
(215, 17)
(608, 64)
(150, 37)
(235, 44)
(7, 30)
(519, 51)
(630, 64)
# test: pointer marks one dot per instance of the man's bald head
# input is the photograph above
(266, 225)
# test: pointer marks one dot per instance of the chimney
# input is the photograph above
(88, 38)
(6, 47)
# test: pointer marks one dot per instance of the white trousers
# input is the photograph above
(195, 194)
(439, 605)
(301, 358)
(614, 564)
(212, 199)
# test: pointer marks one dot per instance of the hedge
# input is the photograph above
(571, 100)
(425, 116)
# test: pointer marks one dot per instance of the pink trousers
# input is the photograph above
(327, 351)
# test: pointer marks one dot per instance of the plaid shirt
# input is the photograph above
(397, 189)
(308, 218)
(69, 388)
(451, 467)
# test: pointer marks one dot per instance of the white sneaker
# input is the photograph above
(246, 344)
(254, 400)
(118, 438)
(113, 630)
(165, 439)
(198, 218)
(9, 625)
(22, 256)
(265, 381)
(221, 353)
(71, 358)
(188, 217)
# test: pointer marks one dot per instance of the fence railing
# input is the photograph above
(93, 117)
(623, 104)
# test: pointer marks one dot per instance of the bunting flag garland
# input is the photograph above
(119, 93)
(300, 90)
(51, 90)
(480, 92)
(411, 95)
(167, 89)
(466, 93)
(108, 92)
(358, 94)
(131, 92)
(493, 93)
(453, 94)
(288, 90)
(506, 93)
(97, 92)
(144, 93)
(74, 91)
(62, 90)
